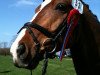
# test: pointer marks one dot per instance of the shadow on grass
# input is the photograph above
(5, 71)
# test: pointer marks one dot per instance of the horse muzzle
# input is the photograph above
(24, 58)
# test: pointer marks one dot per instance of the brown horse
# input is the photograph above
(46, 31)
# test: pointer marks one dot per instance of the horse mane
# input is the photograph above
(87, 5)
(85, 47)
(92, 20)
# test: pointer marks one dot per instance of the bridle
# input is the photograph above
(60, 31)
(54, 36)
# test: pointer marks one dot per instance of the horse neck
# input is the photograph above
(86, 36)
(85, 45)
(92, 22)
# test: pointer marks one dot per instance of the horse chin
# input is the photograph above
(29, 65)
(32, 65)
(34, 62)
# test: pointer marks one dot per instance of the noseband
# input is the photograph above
(53, 36)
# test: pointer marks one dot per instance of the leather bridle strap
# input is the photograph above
(41, 29)
(47, 33)
(38, 27)
(37, 44)
(32, 34)
(54, 36)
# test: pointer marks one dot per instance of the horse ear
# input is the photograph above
(43, 0)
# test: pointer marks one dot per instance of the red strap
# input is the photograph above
(72, 13)
(73, 19)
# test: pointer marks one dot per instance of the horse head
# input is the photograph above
(40, 34)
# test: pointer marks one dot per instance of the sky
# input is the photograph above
(14, 13)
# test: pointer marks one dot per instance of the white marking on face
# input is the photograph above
(14, 46)
(46, 2)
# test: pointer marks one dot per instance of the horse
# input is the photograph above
(46, 32)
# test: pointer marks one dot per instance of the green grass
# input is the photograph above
(55, 67)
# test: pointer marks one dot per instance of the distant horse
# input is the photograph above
(42, 34)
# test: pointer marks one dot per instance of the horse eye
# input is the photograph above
(61, 7)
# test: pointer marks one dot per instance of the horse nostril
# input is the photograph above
(21, 49)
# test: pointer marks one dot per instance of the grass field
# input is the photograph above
(55, 67)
